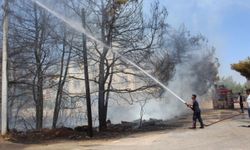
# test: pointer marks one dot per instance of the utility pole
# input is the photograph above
(4, 67)
(86, 75)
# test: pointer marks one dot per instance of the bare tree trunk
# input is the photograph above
(101, 95)
(39, 105)
(59, 91)
(39, 73)
(86, 75)
(142, 105)
(106, 33)
(4, 69)
(61, 83)
(110, 74)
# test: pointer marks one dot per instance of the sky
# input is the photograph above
(226, 24)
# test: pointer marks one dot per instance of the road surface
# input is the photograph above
(230, 134)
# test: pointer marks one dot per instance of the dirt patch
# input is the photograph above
(113, 131)
(38, 136)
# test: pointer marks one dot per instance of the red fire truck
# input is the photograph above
(223, 98)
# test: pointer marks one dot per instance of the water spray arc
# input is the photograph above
(153, 78)
(78, 27)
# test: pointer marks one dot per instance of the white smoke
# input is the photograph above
(166, 107)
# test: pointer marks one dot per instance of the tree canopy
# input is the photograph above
(243, 67)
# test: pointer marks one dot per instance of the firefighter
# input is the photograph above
(196, 112)
(240, 100)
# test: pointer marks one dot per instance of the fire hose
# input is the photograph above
(222, 120)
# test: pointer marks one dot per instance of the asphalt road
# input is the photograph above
(228, 134)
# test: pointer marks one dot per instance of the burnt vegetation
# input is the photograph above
(51, 65)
